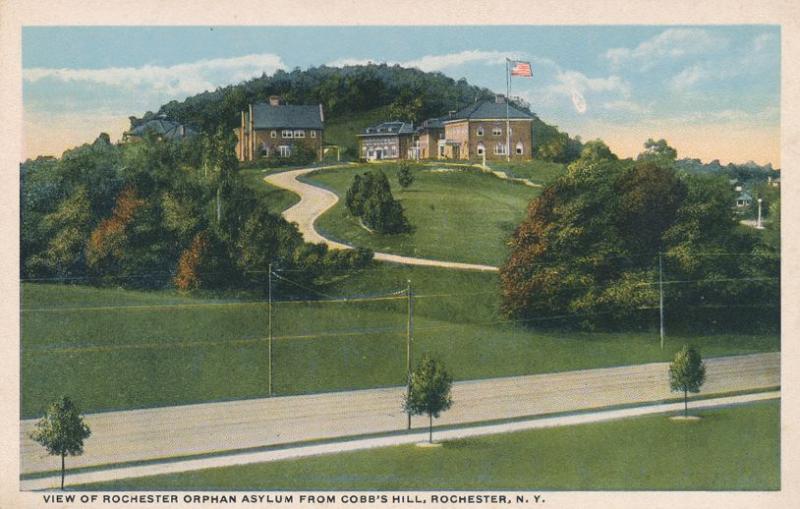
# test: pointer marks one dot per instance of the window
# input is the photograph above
(500, 149)
(363, 150)
(299, 134)
(286, 133)
(286, 150)
(273, 134)
(480, 131)
(520, 148)
(481, 149)
(313, 134)
(264, 150)
(497, 131)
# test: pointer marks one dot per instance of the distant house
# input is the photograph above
(389, 140)
(275, 129)
(744, 200)
(427, 138)
(480, 129)
(161, 128)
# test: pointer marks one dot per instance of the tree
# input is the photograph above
(370, 198)
(429, 391)
(658, 152)
(687, 373)
(62, 431)
(404, 177)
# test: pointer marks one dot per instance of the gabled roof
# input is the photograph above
(431, 123)
(395, 127)
(167, 129)
(288, 116)
(489, 109)
(744, 196)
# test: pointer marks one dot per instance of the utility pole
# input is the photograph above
(409, 334)
(269, 328)
(661, 297)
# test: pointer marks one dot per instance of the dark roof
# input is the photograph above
(290, 116)
(393, 128)
(431, 123)
(490, 109)
(167, 129)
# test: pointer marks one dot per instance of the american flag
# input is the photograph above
(520, 68)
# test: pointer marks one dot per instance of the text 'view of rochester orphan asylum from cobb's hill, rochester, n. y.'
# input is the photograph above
(387, 267)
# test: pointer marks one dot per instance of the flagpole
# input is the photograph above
(508, 123)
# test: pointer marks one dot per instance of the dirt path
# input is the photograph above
(315, 201)
(151, 433)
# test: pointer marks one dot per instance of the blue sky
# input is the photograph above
(712, 91)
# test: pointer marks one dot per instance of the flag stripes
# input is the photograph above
(520, 68)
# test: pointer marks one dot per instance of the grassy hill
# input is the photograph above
(121, 349)
(342, 130)
(456, 214)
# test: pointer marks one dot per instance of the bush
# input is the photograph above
(370, 198)
(404, 177)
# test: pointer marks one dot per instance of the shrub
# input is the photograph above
(370, 198)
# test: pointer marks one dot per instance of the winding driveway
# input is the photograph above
(315, 201)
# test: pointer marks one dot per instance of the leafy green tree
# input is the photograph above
(62, 431)
(429, 391)
(658, 152)
(687, 373)
(404, 176)
(370, 198)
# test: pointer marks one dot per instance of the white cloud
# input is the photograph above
(673, 43)
(429, 63)
(576, 85)
(689, 77)
(174, 80)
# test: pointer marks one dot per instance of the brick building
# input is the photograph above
(428, 139)
(480, 129)
(389, 140)
(275, 129)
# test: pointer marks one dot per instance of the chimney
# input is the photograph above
(500, 99)
(274, 100)
(321, 115)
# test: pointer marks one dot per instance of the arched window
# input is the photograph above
(481, 149)
(520, 148)
(264, 150)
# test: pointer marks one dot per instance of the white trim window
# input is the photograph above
(264, 150)
(520, 148)
(480, 131)
(496, 131)
(273, 134)
(313, 134)
(299, 134)
(286, 133)
(500, 149)
(481, 149)
(285, 150)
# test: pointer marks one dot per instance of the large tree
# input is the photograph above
(429, 391)
(62, 431)
(687, 372)
(588, 249)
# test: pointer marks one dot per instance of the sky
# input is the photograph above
(713, 92)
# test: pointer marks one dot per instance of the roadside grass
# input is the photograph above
(456, 215)
(114, 349)
(730, 448)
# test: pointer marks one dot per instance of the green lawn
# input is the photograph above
(274, 198)
(735, 448)
(120, 349)
(539, 172)
(457, 215)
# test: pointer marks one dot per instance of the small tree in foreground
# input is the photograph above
(429, 391)
(687, 373)
(404, 177)
(62, 431)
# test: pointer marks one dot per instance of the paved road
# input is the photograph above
(314, 201)
(203, 428)
(303, 451)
